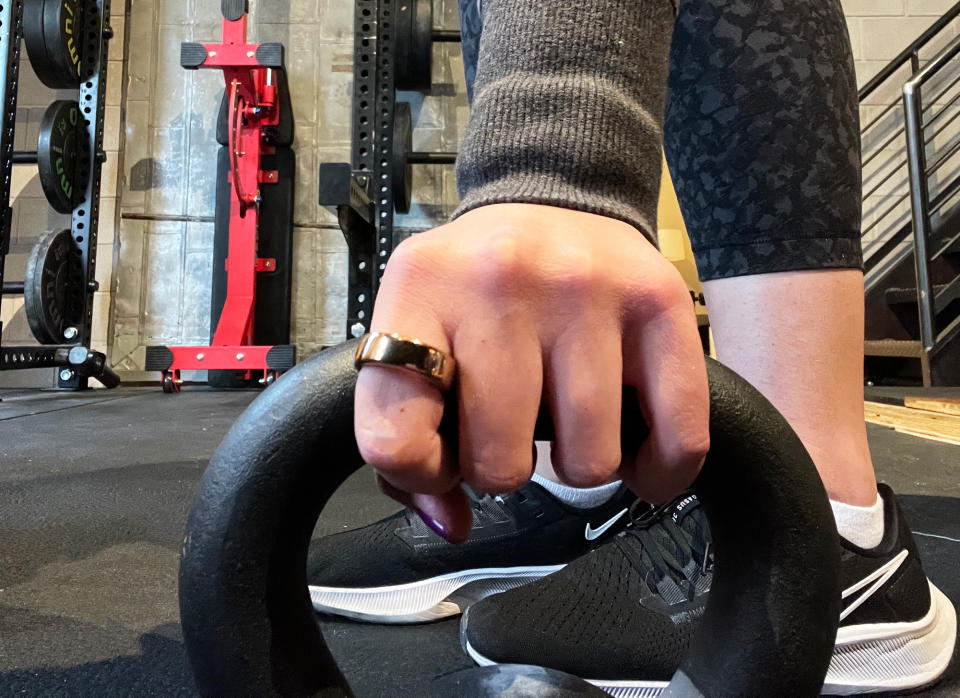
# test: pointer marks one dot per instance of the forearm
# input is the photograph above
(568, 107)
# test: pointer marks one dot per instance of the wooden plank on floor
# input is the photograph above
(933, 425)
(942, 405)
(924, 435)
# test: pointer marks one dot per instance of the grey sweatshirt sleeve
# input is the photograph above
(568, 107)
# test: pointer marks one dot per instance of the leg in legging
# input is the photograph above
(762, 139)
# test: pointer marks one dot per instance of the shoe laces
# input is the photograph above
(664, 549)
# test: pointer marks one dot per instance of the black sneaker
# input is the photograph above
(622, 617)
(399, 571)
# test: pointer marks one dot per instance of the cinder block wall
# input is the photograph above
(32, 215)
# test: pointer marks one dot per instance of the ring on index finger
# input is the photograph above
(407, 354)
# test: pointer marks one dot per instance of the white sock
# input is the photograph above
(574, 496)
(862, 526)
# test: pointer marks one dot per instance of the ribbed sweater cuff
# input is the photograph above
(568, 107)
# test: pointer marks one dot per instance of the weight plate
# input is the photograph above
(401, 170)
(33, 38)
(402, 14)
(53, 290)
(51, 31)
(413, 47)
(63, 34)
(57, 149)
(421, 46)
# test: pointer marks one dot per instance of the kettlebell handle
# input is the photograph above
(249, 628)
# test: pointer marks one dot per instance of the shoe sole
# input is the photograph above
(884, 657)
(876, 658)
(424, 600)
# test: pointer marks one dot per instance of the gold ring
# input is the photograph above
(408, 354)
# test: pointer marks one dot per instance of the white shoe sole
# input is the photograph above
(875, 658)
(894, 656)
(424, 600)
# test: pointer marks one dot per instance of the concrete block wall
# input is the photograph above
(32, 216)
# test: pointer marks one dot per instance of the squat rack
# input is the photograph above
(362, 191)
(365, 193)
(74, 362)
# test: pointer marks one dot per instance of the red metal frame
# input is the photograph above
(253, 106)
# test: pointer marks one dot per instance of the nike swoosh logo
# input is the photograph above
(878, 578)
(594, 533)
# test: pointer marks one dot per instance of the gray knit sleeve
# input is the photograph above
(568, 107)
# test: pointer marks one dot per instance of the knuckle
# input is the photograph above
(404, 262)
(663, 289)
(395, 453)
(587, 394)
(498, 472)
(495, 482)
(580, 276)
(593, 471)
(501, 259)
(411, 260)
(689, 449)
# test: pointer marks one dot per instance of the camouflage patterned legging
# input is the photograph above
(761, 132)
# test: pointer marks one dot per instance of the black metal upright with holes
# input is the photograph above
(384, 170)
(363, 276)
(362, 192)
(96, 33)
(86, 216)
(373, 106)
(11, 33)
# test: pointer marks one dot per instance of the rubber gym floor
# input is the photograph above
(94, 494)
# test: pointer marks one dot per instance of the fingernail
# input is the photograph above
(434, 525)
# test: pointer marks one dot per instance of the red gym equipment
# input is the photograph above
(252, 73)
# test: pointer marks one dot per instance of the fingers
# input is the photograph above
(663, 359)
(448, 514)
(396, 412)
(584, 379)
(500, 379)
(396, 417)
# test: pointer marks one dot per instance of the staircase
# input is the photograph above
(911, 209)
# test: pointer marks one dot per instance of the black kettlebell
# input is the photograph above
(249, 628)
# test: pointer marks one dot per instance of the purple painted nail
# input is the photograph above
(434, 525)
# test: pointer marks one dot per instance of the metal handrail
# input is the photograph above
(919, 192)
(910, 53)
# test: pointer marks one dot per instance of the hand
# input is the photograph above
(533, 302)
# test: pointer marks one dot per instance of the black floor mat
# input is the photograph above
(94, 495)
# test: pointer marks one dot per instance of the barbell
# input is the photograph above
(249, 627)
(404, 157)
